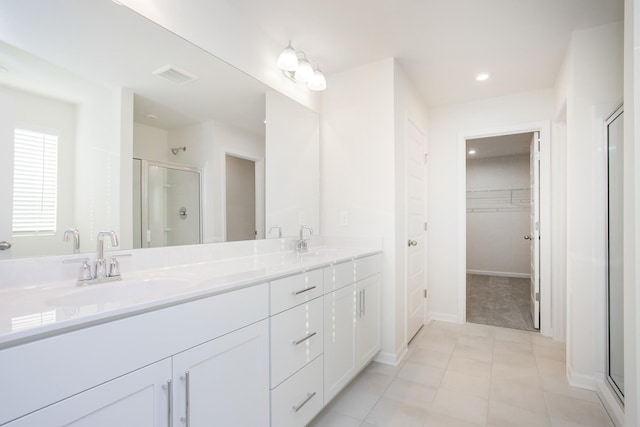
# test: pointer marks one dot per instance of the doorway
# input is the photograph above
(501, 173)
(544, 239)
(240, 196)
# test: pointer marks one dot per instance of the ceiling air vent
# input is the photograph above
(175, 75)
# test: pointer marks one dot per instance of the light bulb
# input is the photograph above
(304, 71)
(288, 59)
(317, 81)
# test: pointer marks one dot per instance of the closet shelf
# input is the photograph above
(498, 200)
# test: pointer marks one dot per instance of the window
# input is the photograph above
(35, 182)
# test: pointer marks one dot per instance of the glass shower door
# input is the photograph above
(171, 210)
(615, 295)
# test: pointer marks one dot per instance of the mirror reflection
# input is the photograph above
(111, 107)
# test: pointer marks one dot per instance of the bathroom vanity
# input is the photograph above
(254, 340)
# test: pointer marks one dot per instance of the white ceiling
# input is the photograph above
(497, 146)
(441, 44)
(44, 45)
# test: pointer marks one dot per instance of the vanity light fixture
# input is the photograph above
(317, 80)
(482, 77)
(288, 59)
(296, 66)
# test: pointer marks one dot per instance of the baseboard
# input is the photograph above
(442, 317)
(587, 382)
(610, 402)
(499, 273)
(393, 359)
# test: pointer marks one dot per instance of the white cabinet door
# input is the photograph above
(367, 320)
(224, 381)
(339, 340)
(138, 399)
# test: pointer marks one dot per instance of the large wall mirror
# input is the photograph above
(108, 120)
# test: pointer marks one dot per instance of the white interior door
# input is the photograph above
(416, 242)
(534, 234)
(7, 124)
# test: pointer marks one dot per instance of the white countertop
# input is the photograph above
(32, 312)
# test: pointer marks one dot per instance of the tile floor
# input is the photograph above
(499, 301)
(467, 376)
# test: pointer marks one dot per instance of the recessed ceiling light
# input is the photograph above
(472, 152)
(482, 77)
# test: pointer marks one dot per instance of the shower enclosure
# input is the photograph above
(166, 204)
(615, 233)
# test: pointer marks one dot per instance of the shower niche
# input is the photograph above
(166, 204)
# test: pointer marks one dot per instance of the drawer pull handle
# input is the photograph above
(169, 387)
(301, 340)
(308, 398)
(303, 290)
(187, 416)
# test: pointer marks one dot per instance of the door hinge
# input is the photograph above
(425, 158)
(538, 296)
(425, 226)
(425, 293)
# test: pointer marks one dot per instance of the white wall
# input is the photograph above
(446, 125)
(495, 243)
(593, 88)
(292, 175)
(632, 211)
(97, 166)
(357, 168)
(150, 143)
(363, 117)
(49, 115)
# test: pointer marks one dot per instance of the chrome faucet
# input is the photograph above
(76, 238)
(101, 263)
(277, 227)
(101, 273)
(301, 245)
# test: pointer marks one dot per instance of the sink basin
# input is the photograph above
(128, 290)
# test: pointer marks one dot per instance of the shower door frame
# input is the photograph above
(609, 119)
(144, 194)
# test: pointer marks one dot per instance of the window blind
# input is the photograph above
(35, 182)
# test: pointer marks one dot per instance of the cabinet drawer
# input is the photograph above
(294, 290)
(339, 275)
(296, 401)
(368, 266)
(296, 339)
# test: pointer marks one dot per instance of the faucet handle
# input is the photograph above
(276, 227)
(85, 269)
(114, 265)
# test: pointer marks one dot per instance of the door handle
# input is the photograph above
(4, 246)
(528, 237)
(412, 243)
